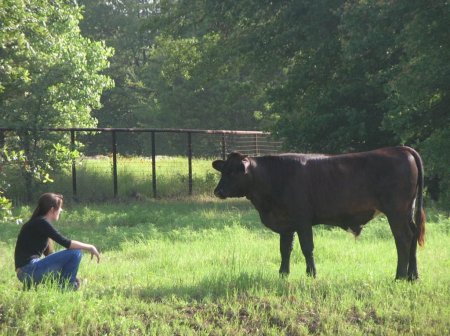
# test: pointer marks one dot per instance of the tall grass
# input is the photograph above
(95, 182)
(94, 179)
(207, 267)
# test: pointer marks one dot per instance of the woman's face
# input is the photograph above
(53, 214)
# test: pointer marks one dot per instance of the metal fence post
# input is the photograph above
(190, 162)
(153, 164)
(224, 147)
(2, 139)
(74, 171)
(114, 147)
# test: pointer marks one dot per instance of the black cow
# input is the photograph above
(293, 192)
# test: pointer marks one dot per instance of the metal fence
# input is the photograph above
(116, 143)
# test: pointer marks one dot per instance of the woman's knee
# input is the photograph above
(76, 253)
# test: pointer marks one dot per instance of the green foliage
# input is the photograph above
(420, 81)
(7, 158)
(5, 208)
(51, 76)
(436, 151)
(51, 73)
(169, 73)
(121, 25)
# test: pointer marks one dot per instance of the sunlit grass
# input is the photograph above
(205, 266)
(94, 179)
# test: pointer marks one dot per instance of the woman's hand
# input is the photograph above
(93, 251)
(74, 244)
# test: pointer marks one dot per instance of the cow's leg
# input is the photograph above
(286, 240)
(403, 236)
(413, 273)
(305, 236)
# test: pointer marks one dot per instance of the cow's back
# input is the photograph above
(361, 183)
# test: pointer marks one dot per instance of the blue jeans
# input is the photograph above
(62, 265)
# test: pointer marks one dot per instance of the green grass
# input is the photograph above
(208, 267)
(134, 174)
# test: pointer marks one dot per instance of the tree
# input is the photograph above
(419, 87)
(51, 76)
(332, 97)
(123, 25)
(174, 66)
(227, 86)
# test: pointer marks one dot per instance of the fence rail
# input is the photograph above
(247, 142)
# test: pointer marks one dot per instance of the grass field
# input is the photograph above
(208, 267)
(94, 176)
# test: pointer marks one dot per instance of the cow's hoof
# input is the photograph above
(284, 275)
(311, 274)
(413, 277)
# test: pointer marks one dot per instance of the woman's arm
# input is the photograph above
(50, 247)
(74, 244)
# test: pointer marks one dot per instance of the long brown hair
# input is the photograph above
(45, 203)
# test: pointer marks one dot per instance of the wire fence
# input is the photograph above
(138, 162)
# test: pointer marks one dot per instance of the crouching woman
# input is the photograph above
(33, 241)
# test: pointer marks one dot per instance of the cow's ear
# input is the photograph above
(218, 165)
(246, 165)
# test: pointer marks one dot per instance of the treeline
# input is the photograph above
(326, 76)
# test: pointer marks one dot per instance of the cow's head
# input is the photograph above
(235, 176)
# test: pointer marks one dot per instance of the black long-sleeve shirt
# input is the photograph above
(33, 240)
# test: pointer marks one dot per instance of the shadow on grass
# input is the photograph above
(221, 285)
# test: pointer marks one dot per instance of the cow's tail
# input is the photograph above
(419, 218)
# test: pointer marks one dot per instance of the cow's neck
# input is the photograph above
(260, 190)
(259, 202)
